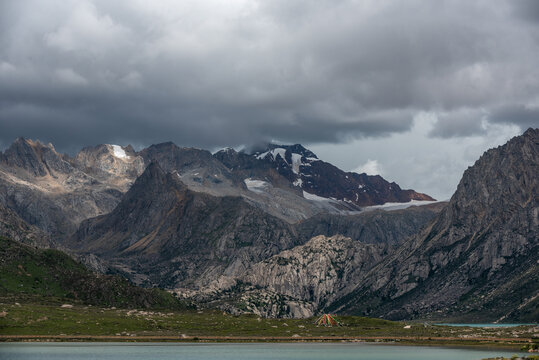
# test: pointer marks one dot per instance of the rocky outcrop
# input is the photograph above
(318, 271)
(479, 259)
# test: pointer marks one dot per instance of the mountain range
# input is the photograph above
(279, 232)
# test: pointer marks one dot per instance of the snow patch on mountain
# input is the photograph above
(119, 152)
(314, 197)
(398, 206)
(257, 186)
(277, 151)
(296, 162)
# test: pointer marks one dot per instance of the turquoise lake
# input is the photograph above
(310, 351)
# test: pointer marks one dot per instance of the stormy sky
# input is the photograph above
(413, 90)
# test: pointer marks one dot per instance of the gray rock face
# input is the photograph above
(479, 259)
(55, 193)
(318, 271)
(15, 228)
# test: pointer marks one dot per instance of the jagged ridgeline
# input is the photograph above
(32, 274)
(56, 192)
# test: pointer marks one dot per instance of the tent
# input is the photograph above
(326, 320)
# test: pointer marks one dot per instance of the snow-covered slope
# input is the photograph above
(304, 170)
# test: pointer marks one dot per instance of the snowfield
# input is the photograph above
(119, 152)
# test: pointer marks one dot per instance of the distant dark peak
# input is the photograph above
(296, 148)
(34, 157)
(162, 146)
(152, 178)
(169, 146)
(101, 148)
(226, 154)
(155, 177)
(286, 150)
(129, 149)
(234, 160)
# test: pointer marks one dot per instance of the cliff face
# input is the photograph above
(318, 271)
(478, 259)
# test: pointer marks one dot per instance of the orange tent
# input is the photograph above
(326, 320)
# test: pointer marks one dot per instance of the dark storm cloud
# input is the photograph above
(462, 122)
(527, 9)
(522, 115)
(211, 74)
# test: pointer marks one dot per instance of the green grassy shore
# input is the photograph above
(52, 319)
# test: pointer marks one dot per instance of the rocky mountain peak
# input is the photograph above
(479, 257)
(35, 157)
(111, 163)
(323, 181)
(285, 152)
(503, 177)
(287, 157)
(153, 174)
(172, 157)
(153, 181)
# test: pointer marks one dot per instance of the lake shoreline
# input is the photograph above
(509, 343)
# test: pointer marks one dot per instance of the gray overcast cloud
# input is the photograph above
(332, 74)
